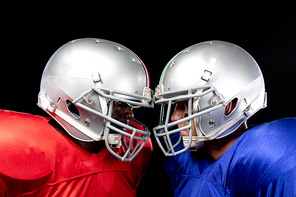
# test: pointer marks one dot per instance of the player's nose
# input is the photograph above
(178, 113)
(127, 113)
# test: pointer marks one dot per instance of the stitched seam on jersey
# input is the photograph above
(79, 153)
(269, 169)
(74, 178)
(88, 174)
(203, 178)
(86, 159)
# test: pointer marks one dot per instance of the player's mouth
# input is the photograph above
(184, 132)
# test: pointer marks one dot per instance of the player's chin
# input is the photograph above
(118, 127)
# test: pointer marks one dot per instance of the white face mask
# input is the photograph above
(195, 144)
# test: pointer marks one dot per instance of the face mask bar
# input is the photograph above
(143, 101)
(134, 134)
(165, 131)
(133, 140)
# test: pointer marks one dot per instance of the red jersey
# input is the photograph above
(36, 160)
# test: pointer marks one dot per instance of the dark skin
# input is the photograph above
(214, 148)
(121, 112)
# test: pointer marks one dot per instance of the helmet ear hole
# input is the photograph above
(72, 109)
(231, 106)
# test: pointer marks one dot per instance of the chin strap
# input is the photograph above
(114, 139)
(196, 143)
(204, 80)
(99, 83)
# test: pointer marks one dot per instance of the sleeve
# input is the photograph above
(267, 167)
(279, 181)
(279, 178)
(284, 185)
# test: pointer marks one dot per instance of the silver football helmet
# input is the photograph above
(81, 81)
(208, 75)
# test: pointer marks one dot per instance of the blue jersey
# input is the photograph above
(262, 162)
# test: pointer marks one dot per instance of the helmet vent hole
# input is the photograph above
(59, 99)
(73, 109)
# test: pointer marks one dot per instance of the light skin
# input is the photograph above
(121, 112)
(214, 148)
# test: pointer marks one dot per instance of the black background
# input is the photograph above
(155, 31)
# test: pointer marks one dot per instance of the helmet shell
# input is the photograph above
(69, 73)
(235, 74)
